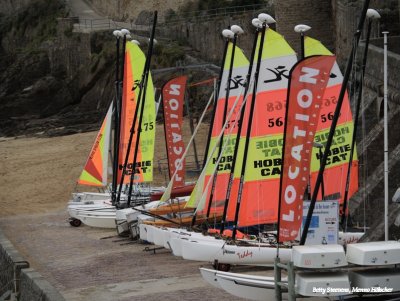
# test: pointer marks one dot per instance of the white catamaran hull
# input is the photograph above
(212, 251)
(250, 287)
(98, 218)
(209, 249)
(101, 205)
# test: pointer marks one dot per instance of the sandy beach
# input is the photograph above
(38, 175)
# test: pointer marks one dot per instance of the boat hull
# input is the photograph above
(98, 218)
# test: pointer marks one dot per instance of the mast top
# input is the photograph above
(265, 18)
(125, 32)
(237, 29)
(227, 33)
(373, 14)
(301, 28)
(256, 23)
(117, 33)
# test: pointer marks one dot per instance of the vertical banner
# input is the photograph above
(308, 81)
(338, 159)
(173, 96)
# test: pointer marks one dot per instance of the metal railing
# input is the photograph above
(214, 13)
(103, 24)
(95, 24)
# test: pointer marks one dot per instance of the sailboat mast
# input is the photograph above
(334, 123)
(247, 141)
(242, 113)
(385, 137)
(143, 86)
(118, 35)
(221, 143)
(371, 14)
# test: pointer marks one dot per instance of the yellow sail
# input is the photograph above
(236, 87)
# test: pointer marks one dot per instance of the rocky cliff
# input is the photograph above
(53, 81)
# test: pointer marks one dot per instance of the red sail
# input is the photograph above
(173, 99)
(308, 81)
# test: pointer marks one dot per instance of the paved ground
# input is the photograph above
(83, 266)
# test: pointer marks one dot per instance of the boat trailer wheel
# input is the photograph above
(224, 267)
(75, 222)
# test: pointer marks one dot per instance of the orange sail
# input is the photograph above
(95, 171)
(260, 192)
(223, 107)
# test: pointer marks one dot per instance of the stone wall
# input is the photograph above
(370, 136)
(314, 13)
(206, 38)
(17, 279)
(8, 258)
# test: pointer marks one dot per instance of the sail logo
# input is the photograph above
(140, 167)
(280, 73)
(236, 82)
(136, 84)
